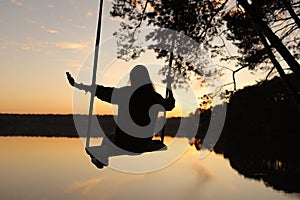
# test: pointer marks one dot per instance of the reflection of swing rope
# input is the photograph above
(93, 85)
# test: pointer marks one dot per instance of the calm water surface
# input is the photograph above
(58, 168)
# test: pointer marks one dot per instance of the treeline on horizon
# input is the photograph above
(262, 120)
(57, 125)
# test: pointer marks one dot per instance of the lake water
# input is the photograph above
(37, 168)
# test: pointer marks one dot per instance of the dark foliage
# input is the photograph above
(261, 135)
(277, 15)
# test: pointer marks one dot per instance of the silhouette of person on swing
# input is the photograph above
(138, 107)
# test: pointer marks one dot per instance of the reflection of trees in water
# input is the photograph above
(261, 156)
(261, 135)
(275, 173)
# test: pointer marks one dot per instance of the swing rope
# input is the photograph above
(162, 135)
(169, 81)
(93, 85)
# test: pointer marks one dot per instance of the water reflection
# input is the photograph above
(273, 161)
(280, 175)
(59, 169)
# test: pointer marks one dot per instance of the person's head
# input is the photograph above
(139, 76)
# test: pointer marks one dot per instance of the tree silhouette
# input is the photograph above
(199, 20)
(263, 15)
(261, 31)
(245, 32)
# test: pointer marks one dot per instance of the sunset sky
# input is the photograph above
(41, 40)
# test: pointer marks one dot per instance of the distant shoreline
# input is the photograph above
(49, 114)
(56, 125)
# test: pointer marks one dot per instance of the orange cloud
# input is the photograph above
(117, 19)
(72, 45)
(52, 31)
(25, 48)
(89, 13)
(48, 30)
(15, 2)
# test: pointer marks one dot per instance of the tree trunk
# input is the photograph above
(272, 37)
(288, 6)
(285, 80)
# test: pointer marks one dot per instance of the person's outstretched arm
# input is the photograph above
(101, 92)
(80, 86)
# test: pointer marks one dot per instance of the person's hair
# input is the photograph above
(139, 76)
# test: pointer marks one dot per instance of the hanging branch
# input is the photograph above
(141, 20)
(233, 74)
(269, 73)
(129, 47)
